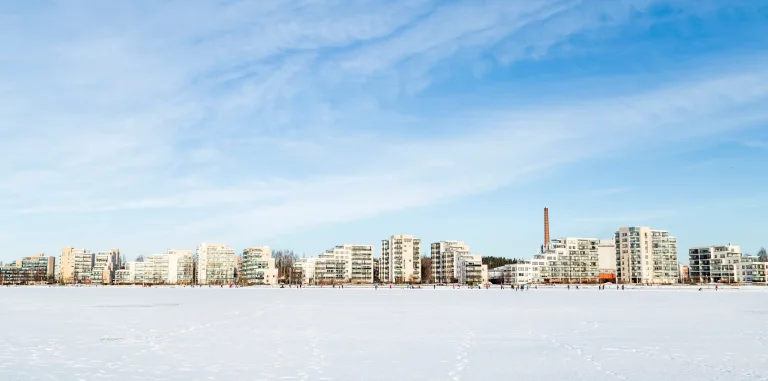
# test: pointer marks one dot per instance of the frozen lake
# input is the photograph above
(367, 334)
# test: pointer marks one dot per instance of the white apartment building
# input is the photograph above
(645, 255)
(570, 260)
(172, 267)
(446, 256)
(722, 264)
(330, 269)
(123, 276)
(400, 259)
(606, 259)
(358, 262)
(215, 264)
(714, 263)
(760, 272)
(181, 266)
(304, 270)
(259, 266)
(525, 272)
(103, 267)
(471, 270)
(83, 266)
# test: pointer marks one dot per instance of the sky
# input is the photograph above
(145, 125)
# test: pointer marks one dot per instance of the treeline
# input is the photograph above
(494, 262)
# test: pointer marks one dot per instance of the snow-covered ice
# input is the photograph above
(385, 334)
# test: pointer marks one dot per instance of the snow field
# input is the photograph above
(113, 333)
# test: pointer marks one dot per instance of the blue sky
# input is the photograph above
(146, 125)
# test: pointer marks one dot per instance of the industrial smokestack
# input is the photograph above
(546, 226)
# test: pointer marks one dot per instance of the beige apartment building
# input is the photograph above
(400, 259)
(67, 264)
(646, 256)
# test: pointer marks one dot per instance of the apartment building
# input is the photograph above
(181, 266)
(66, 272)
(571, 259)
(471, 270)
(722, 264)
(40, 266)
(304, 270)
(215, 264)
(446, 256)
(645, 255)
(358, 262)
(83, 266)
(760, 272)
(123, 276)
(104, 267)
(172, 267)
(330, 269)
(606, 254)
(13, 274)
(400, 259)
(525, 272)
(259, 266)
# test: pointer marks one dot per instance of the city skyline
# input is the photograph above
(305, 127)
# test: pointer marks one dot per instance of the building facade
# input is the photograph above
(83, 269)
(606, 253)
(446, 257)
(471, 270)
(304, 270)
(400, 259)
(358, 262)
(66, 272)
(215, 264)
(259, 266)
(40, 266)
(720, 264)
(646, 256)
(569, 260)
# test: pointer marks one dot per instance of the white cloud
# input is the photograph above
(271, 114)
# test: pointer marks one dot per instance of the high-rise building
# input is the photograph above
(446, 256)
(644, 255)
(258, 266)
(181, 266)
(215, 264)
(471, 270)
(400, 259)
(83, 266)
(67, 264)
(606, 254)
(104, 267)
(358, 262)
(571, 259)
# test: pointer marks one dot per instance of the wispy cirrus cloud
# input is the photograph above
(274, 116)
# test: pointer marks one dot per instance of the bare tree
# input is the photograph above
(762, 255)
(140, 258)
(426, 270)
(284, 261)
